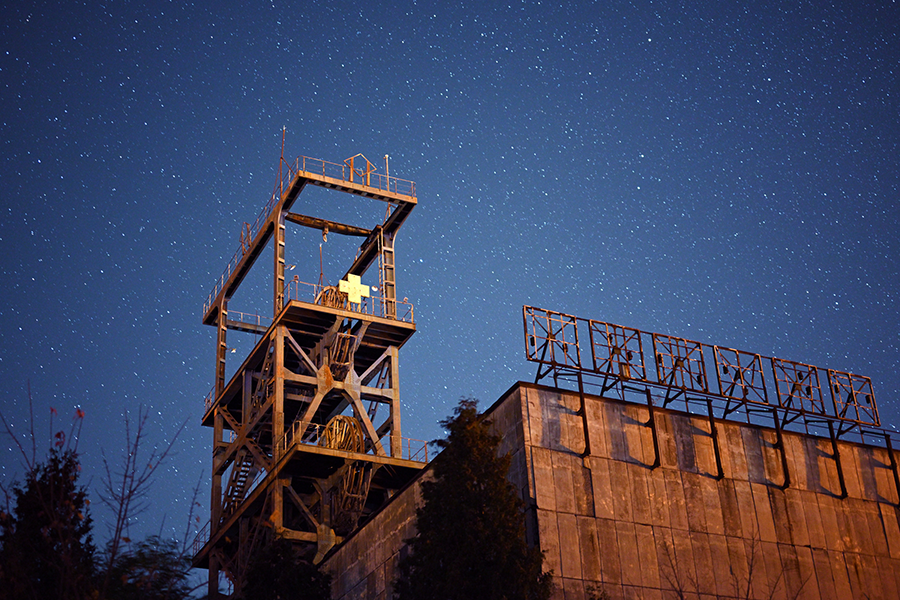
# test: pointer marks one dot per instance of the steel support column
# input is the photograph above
(221, 347)
(212, 590)
(279, 258)
(278, 405)
(216, 491)
(388, 274)
(396, 442)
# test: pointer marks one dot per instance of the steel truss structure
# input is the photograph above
(306, 434)
(657, 370)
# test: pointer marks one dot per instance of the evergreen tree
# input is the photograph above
(277, 572)
(46, 550)
(471, 532)
(46, 546)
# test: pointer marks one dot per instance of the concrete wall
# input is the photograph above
(610, 522)
(364, 566)
(613, 522)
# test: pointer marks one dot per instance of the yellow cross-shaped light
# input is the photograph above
(353, 288)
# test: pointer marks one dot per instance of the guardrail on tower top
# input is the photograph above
(350, 174)
(619, 360)
(317, 168)
(247, 236)
(374, 305)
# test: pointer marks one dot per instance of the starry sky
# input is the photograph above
(717, 171)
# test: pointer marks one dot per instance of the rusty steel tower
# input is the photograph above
(306, 433)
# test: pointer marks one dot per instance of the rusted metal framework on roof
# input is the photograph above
(658, 370)
(306, 434)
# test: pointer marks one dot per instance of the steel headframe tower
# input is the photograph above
(298, 449)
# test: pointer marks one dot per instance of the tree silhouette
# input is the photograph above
(155, 569)
(277, 572)
(471, 531)
(46, 550)
(46, 545)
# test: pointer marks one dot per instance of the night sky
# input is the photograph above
(712, 171)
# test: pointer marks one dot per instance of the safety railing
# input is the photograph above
(287, 172)
(416, 450)
(376, 306)
(247, 239)
(200, 539)
(252, 319)
(348, 174)
(210, 398)
(411, 449)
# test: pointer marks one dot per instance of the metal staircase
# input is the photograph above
(243, 472)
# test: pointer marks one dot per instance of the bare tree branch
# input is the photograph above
(187, 539)
(126, 488)
(31, 426)
(59, 439)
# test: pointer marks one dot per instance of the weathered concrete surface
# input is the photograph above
(610, 521)
(364, 565)
(680, 530)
